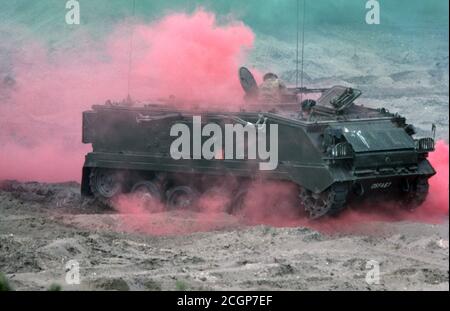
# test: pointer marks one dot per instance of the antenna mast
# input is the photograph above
(296, 56)
(303, 45)
(130, 51)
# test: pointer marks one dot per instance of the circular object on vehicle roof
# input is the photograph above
(247, 80)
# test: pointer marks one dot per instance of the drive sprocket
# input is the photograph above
(328, 202)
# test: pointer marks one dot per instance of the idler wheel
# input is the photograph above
(328, 202)
(105, 184)
(181, 197)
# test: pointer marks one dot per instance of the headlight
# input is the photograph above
(341, 150)
(425, 144)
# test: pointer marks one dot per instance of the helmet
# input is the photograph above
(270, 75)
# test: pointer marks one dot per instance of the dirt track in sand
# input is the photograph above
(44, 226)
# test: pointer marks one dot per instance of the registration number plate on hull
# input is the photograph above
(380, 185)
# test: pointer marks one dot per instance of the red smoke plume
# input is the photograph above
(188, 56)
(275, 203)
(437, 200)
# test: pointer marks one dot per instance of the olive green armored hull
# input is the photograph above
(331, 154)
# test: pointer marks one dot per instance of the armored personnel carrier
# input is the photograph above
(333, 149)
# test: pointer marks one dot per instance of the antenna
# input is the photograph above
(303, 45)
(296, 56)
(130, 51)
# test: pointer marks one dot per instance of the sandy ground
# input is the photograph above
(43, 226)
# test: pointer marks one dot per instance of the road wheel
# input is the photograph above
(149, 193)
(181, 197)
(105, 184)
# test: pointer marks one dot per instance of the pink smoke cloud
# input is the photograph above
(189, 56)
(275, 203)
(437, 201)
